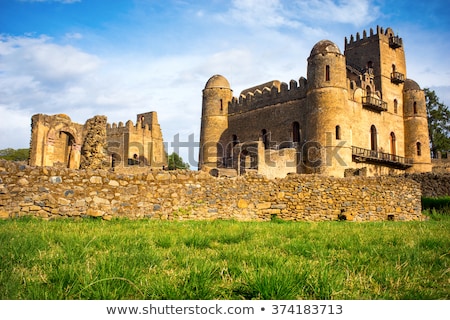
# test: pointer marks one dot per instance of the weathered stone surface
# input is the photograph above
(196, 196)
(55, 179)
(113, 183)
(95, 179)
(94, 212)
(4, 214)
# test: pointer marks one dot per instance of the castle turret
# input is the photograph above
(417, 145)
(216, 97)
(328, 113)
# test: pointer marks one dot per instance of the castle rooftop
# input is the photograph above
(217, 81)
(323, 47)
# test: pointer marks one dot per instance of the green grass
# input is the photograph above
(124, 259)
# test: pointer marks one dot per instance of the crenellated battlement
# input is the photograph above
(379, 34)
(129, 126)
(265, 96)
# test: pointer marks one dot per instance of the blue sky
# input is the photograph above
(123, 57)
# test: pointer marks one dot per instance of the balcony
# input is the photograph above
(380, 158)
(395, 42)
(374, 104)
(397, 77)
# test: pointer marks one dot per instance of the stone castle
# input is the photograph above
(57, 141)
(356, 114)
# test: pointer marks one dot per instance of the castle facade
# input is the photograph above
(356, 113)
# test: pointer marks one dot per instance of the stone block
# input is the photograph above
(4, 214)
(242, 203)
(96, 179)
(113, 183)
(263, 205)
(55, 179)
(63, 201)
(94, 212)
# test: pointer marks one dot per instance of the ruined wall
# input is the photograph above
(93, 152)
(50, 192)
(432, 184)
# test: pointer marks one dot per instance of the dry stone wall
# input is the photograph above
(433, 184)
(50, 193)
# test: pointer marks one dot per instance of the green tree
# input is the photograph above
(438, 116)
(176, 162)
(14, 155)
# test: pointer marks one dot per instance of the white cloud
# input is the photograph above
(260, 13)
(355, 12)
(44, 61)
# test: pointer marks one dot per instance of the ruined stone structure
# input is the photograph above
(57, 141)
(356, 114)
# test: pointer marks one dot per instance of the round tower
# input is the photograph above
(417, 142)
(328, 120)
(216, 97)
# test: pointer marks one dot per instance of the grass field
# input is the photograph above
(123, 259)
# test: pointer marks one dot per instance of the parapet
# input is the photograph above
(380, 33)
(267, 94)
(127, 127)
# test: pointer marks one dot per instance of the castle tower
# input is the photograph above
(328, 119)
(154, 148)
(382, 55)
(416, 127)
(216, 97)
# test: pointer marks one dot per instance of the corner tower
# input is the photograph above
(417, 145)
(216, 97)
(329, 124)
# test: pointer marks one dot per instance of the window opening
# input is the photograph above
(265, 138)
(373, 138)
(338, 133)
(393, 143)
(295, 132)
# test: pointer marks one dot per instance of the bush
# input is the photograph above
(440, 205)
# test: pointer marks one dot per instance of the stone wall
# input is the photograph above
(432, 184)
(50, 192)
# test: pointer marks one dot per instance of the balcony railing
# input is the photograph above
(397, 77)
(395, 42)
(374, 104)
(381, 158)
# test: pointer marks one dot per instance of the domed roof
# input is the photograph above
(217, 81)
(325, 46)
(411, 85)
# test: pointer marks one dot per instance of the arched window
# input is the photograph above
(338, 133)
(373, 138)
(415, 107)
(392, 141)
(265, 138)
(419, 149)
(393, 68)
(327, 73)
(395, 106)
(235, 140)
(221, 105)
(368, 91)
(295, 132)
